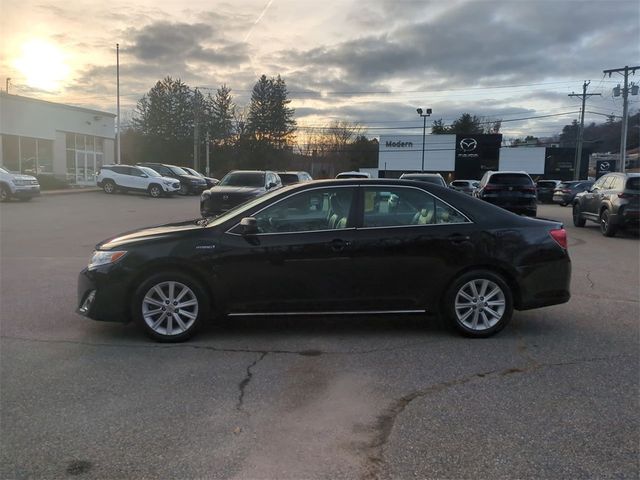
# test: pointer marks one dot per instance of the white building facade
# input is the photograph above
(45, 138)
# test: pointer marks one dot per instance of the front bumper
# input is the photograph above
(196, 189)
(26, 191)
(109, 302)
(173, 188)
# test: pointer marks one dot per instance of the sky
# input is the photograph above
(370, 62)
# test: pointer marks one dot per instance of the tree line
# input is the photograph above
(173, 123)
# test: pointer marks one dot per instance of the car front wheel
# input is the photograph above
(155, 191)
(109, 187)
(170, 306)
(578, 221)
(479, 303)
(5, 194)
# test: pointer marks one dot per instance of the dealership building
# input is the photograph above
(45, 138)
(470, 156)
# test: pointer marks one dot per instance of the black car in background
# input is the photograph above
(545, 190)
(237, 187)
(189, 184)
(211, 182)
(332, 247)
(465, 186)
(513, 191)
(567, 191)
(613, 201)
(289, 178)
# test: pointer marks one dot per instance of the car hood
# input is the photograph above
(149, 234)
(246, 190)
(192, 178)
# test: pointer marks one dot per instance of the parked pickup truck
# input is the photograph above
(16, 185)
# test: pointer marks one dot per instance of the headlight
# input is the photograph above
(206, 195)
(167, 182)
(104, 258)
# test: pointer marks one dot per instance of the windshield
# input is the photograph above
(191, 171)
(510, 179)
(178, 171)
(3, 170)
(243, 179)
(150, 171)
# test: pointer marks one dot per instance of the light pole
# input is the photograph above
(424, 129)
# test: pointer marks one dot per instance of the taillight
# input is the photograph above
(560, 236)
(491, 187)
(566, 190)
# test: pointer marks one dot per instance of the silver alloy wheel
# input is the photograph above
(184, 190)
(170, 308)
(480, 304)
(604, 221)
(154, 191)
(109, 187)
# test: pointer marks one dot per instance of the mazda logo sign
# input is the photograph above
(468, 144)
(604, 166)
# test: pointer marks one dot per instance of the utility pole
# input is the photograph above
(207, 167)
(196, 130)
(118, 103)
(424, 128)
(625, 108)
(8, 79)
(578, 160)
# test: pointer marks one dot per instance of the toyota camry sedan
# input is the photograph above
(332, 247)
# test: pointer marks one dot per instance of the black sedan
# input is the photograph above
(332, 247)
(237, 187)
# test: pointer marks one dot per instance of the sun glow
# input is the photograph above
(42, 64)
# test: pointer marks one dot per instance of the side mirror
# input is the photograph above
(249, 226)
(271, 185)
(144, 175)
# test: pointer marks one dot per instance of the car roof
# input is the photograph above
(511, 172)
(249, 171)
(422, 174)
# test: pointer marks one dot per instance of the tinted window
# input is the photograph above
(178, 171)
(390, 207)
(543, 184)
(121, 170)
(321, 209)
(460, 183)
(150, 171)
(608, 182)
(288, 178)
(243, 179)
(633, 183)
(510, 179)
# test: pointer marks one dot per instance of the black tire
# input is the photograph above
(184, 189)
(5, 193)
(563, 204)
(140, 307)
(155, 190)
(463, 317)
(607, 229)
(578, 221)
(109, 187)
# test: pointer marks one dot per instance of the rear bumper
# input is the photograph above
(544, 285)
(630, 217)
(562, 198)
(528, 206)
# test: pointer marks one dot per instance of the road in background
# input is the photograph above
(555, 395)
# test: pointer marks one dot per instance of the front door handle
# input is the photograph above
(339, 245)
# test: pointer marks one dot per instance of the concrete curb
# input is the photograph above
(69, 190)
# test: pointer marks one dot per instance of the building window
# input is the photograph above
(32, 156)
(84, 157)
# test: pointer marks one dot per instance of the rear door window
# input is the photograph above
(633, 183)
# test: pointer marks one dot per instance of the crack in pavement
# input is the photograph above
(383, 426)
(245, 381)
(588, 275)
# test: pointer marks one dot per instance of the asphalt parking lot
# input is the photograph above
(555, 395)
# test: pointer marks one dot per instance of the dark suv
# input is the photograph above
(545, 189)
(567, 191)
(237, 187)
(189, 184)
(613, 201)
(513, 191)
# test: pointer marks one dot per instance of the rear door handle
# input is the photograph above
(339, 245)
(458, 238)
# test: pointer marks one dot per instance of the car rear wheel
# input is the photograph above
(155, 191)
(479, 303)
(607, 229)
(170, 306)
(5, 194)
(109, 187)
(578, 221)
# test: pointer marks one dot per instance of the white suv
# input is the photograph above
(22, 187)
(133, 178)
